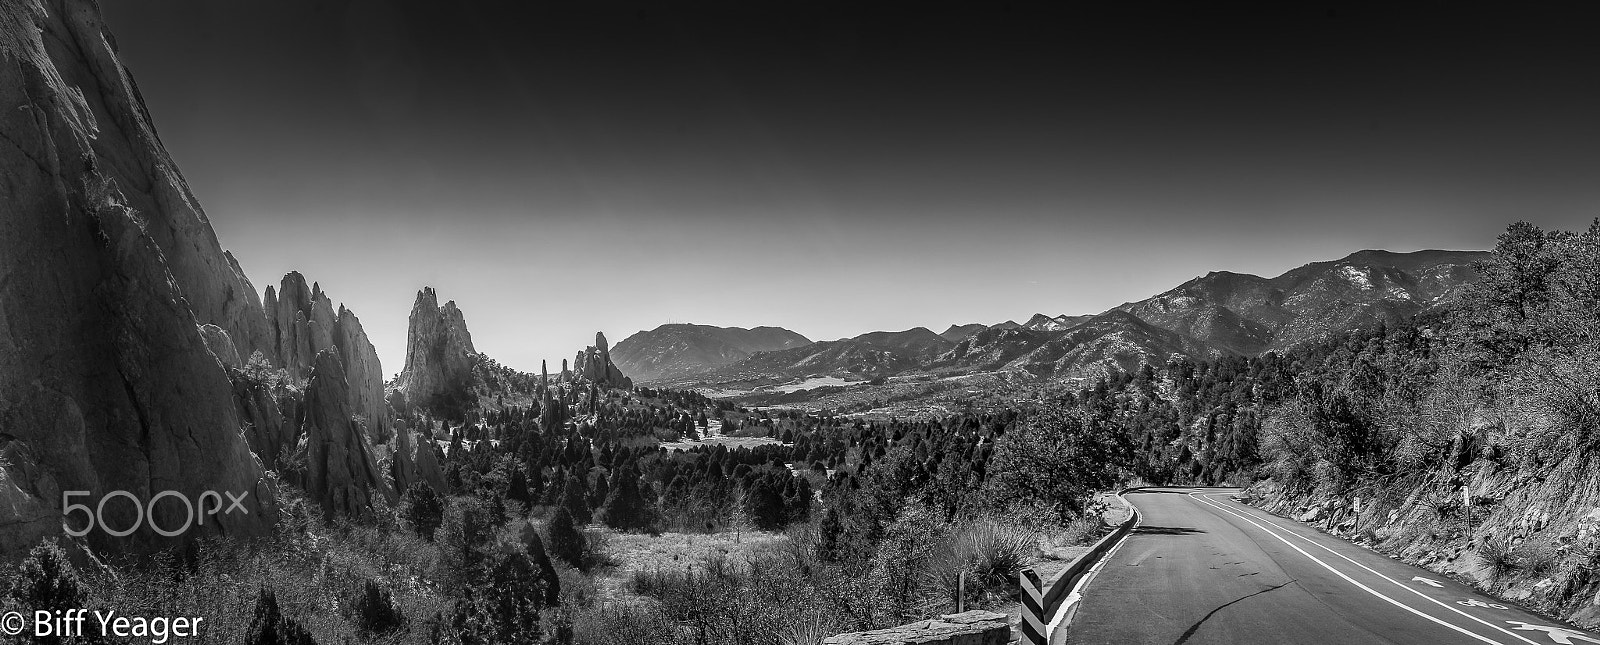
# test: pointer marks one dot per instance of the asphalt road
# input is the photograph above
(1202, 569)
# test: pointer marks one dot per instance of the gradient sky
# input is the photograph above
(561, 168)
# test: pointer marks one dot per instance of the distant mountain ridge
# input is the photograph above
(679, 349)
(1213, 315)
(1248, 314)
(1041, 322)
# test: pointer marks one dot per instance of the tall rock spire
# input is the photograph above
(439, 353)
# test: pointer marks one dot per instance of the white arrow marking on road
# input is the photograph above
(1560, 635)
(1472, 602)
(1430, 583)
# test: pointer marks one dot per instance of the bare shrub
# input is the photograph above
(622, 624)
(1287, 445)
(1444, 413)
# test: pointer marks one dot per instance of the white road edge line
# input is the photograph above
(1347, 578)
(1069, 606)
(1397, 583)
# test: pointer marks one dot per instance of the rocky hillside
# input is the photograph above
(678, 350)
(111, 272)
(919, 343)
(955, 333)
(1041, 322)
(991, 348)
(1249, 314)
(1112, 340)
(872, 354)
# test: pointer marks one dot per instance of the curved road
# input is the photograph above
(1202, 568)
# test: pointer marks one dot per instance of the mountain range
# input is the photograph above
(677, 350)
(1220, 313)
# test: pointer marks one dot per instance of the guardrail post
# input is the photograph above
(1033, 621)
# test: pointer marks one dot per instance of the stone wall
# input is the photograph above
(975, 627)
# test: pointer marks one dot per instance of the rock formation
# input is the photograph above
(439, 353)
(301, 323)
(427, 459)
(269, 414)
(594, 364)
(364, 373)
(341, 474)
(111, 269)
(416, 458)
(221, 345)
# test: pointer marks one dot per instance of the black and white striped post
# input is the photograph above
(1033, 620)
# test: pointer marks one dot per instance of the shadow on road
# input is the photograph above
(1166, 530)
(1184, 637)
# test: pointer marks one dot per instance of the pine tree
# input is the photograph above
(599, 490)
(514, 599)
(625, 508)
(422, 509)
(46, 581)
(575, 498)
(517, 489)
(533, 545)
(766, 504)
(268, 625)
(566, 542)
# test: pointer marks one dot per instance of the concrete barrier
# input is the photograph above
(1061, 593)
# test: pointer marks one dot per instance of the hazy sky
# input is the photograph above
(561, 168)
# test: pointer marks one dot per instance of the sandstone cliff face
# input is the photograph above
(341, 474)
(301, 323)
(364, 373)
(439, 352)
(270, 414)
(594, 364)
(106, 382)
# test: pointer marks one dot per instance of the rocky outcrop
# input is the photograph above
(341, 474)
(302, 323)
(439, 353)
(402, 465)
(416, 459)
(111, 269)
(428, 457)
(221, 345)
(594, 364)
(270, 412)
(364, 374)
